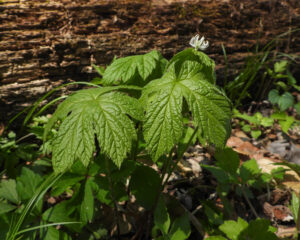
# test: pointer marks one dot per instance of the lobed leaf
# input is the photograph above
(164, 123)
(124, 70)
(191, 61)
(210, 108)
(89, 113)
(233, 229)
(189, 75)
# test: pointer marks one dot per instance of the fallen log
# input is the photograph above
(46, 43)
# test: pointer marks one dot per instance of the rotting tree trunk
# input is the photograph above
(46, 43)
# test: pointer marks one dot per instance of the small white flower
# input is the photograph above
(199, 44)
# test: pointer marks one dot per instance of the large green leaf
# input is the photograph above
(124, 70)
(210, 109)
(164, 124)
(188, 76)
(89, 113)
(191, 61)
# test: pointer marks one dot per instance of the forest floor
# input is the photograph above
(193, 184)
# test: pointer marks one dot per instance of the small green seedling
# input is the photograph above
(241, 230)
(254, 124)
(241, 179)
(285, 121)
(281, 96)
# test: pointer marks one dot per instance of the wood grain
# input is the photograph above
(47, 43)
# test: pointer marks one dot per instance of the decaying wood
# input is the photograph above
(47, 43)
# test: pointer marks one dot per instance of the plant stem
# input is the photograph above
(250, 204)
(167, 170)
(116, 215)
(160, 189)
(136, 147)
(298, 220)
(226, 64)
(43, 188)
(268, 192)
(179, 157)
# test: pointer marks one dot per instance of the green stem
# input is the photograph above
(110, 183)
(159, 191)
(166, 167)
(226, 64)
(298, 220)
(167, 170)
(250, 204)
(179, 157)
(135, 149)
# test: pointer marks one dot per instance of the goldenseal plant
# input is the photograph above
(108, 113)
(144, 107)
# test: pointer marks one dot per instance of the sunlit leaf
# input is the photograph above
(127, 69)
(233, 229)
(89, 113)
(163, 98)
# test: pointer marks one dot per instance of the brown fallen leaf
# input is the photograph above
(241, 134)
(2, 127)
(277, 213)
(247, 148)
(285, 232)
(234, 142)
(279, 196)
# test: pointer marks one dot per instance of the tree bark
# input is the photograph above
(46, 43)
